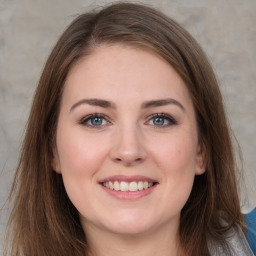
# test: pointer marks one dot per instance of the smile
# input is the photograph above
(128, 187)
(124, 186)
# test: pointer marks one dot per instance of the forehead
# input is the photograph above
(123, 70)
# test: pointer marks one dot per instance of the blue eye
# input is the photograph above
(161, 120)
(94, 121)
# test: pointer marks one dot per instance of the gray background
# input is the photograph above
(29, 29)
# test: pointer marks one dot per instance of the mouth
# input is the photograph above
(128, 187)
(125, 186)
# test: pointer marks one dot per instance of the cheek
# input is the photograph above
(79, 154)
(176, 158)
(176, 155)
(177, 161)
(79, 158)
(79, 161)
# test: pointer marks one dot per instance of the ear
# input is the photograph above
(55, 162)
(201, 160)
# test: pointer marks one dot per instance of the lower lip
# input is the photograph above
(128, 195)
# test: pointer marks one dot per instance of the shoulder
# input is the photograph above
(250, 221)
(235, 244)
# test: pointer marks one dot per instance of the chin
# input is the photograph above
(130, 225)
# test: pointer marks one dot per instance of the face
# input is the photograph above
(127, 142)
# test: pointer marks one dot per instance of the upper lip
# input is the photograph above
(127, 178)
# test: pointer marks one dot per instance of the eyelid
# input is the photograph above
(171, 120)
(83, 121)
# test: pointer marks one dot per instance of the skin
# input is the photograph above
(128, 141)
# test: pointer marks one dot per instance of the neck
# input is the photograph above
(159, 242)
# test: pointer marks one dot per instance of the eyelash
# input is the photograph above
(171, 121)
(84, 121)
(165, 117)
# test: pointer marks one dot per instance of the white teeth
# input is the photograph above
(140, 185)
(124, 186)
(116, 185)
(127, 186)
(133, 186)
(111, 185)
(145, 184)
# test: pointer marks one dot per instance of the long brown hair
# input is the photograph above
(43, 220)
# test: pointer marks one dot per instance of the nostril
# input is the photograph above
(128, 160)
(126, 156)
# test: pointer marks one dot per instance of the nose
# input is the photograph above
(128, 147)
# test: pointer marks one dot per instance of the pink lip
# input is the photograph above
(127, 195)
(127, 178)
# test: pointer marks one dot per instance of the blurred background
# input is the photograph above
(226, 29)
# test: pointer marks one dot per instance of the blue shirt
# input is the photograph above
(250, 221)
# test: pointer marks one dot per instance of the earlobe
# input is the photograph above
(201, 159)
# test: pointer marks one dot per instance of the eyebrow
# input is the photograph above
(108, 104)
(94, 102)
(162, 102)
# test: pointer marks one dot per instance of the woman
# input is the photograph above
(127, 149)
